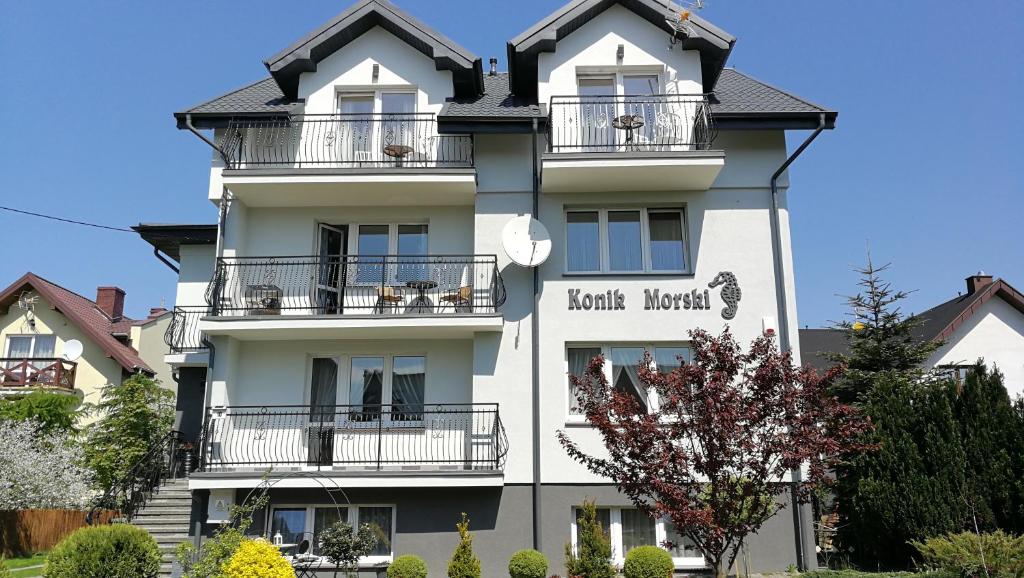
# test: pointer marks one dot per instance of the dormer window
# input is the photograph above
(370, 121)
(615, 109)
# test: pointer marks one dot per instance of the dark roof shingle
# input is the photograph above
(497, 101)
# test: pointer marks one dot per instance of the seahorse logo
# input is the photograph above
(731, 293)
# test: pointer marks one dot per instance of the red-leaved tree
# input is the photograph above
(730, 426)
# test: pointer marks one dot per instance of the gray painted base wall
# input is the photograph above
(500, 520)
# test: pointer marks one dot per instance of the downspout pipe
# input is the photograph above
(803, 557)
(165, 260)
(535, 356)
(193, 130)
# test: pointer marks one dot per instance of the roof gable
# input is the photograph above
(304, 55)
(84, 313)
(941, 321)
(713, 43)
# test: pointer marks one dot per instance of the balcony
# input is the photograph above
(347, 159)
(50, 372)
(355, 296)
(185, 342)
(630, 143)
(414, 441)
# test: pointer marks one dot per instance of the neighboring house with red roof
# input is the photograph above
(40, 320)
(986, 322)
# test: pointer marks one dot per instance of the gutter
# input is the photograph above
(535, 346)
(220, 151)
(784, 338)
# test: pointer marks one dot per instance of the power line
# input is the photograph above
(63, 220)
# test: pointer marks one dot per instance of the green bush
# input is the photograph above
(648, 562)
(115, 551)
(592, 557)
(996, 554)
(464, 564)
(528, 564)
(55, 412)
(408, 566)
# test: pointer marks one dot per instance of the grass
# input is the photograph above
(22, 567)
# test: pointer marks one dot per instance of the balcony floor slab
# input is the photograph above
(313, 478)
(283, 327)
(595, 172)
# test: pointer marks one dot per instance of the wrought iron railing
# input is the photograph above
(38, 371)
(168, 457)
(356, 284)
(661, 122)
(183, 335)
(357, 437)
(344, 140)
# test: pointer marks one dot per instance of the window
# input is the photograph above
(375, 242)
(646, 240)
(400, 380)
(629, 528)
(621, 363)
(297, 523)
(362, 138)
(31, 346)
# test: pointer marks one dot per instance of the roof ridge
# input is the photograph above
(776, 88)
(83, 297)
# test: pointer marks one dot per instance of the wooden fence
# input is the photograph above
(28, 531)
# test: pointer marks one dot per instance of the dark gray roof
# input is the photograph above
(814, 343)
(496, 102)
(741, 101)
(713, 43)
(304, 54)
(168, 238)
(261, 98)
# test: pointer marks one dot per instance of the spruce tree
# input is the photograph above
(881, 338)
(592, 557)
(464, 564)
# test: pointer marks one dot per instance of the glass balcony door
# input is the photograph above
(356, 129)
(331, 270)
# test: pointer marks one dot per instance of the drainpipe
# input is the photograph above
(165, 260)
(192, 129)
(803, 558)
(535, 345)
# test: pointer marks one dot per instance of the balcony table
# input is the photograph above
(628, 123)
(398, 152)
(421, 304)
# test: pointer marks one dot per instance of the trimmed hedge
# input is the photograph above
(528, 564)
(648, 562)
(114, 551)
(408, 566)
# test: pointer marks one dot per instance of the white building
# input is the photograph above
(356, 323)
(984, 323)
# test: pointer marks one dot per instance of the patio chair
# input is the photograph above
(388, 299)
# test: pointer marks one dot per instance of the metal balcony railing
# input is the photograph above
(357, 437)
(439, 285)
(183, 335)
(344, 141)
(38, 371)
(655, 123)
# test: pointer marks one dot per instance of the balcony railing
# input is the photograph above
(354, 437)
(439, 285)
(656, 123)
(344, 141)
(183, 335)
(35, 372)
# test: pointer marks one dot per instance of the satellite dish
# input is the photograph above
(526, 241)
(72, 350)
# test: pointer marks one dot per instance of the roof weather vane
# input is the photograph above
(682, 26)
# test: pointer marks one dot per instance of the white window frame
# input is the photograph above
(392, 235)
(353, 519)
(32, 347)
(377, 94)
(344, 383)
(615, 536)
(618, 80)
(606, 351)
(604, 257)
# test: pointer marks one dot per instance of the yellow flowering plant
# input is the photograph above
(257, 559)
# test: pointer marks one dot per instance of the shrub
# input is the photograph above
(592, 557)
(114, 551)
(344, 545)
(648, 562)
(257, 559)
(996, 554)
(40, 470)
(5, 572)
(408, 566)
(55, 412)
(528, 564)
(464, 564)
(227, 538)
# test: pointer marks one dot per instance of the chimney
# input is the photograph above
(156, 312)
(110, 300)
(494, 67)
(978, 281)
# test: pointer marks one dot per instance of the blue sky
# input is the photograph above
(924, 165)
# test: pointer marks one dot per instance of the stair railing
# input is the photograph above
(128, 494)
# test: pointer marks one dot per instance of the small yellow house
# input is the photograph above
(58, 340)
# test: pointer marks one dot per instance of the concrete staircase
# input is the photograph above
(166, 517)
